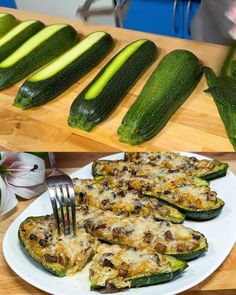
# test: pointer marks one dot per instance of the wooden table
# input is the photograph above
(222, 281)
(195, 127)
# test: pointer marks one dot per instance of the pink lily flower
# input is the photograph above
(231, 14)
(21, 174)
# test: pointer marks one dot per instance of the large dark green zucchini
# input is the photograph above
(166, 90)
(40, 49)
(7, 22)
(223, 89)
(64, 71)
(17, 36)
(99, 99)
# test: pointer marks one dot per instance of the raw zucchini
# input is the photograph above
(195, 200)
(166, 90)
(206, 169)
(7, 22)
(40, 49)
(39, 238)
(17, 36)
(104, 196)
(223, 89)
(60, 74)
(99, 99)
(114, 268)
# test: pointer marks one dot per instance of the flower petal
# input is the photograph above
(7, 198)
(28, 192)
(27, 170)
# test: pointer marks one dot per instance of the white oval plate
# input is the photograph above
(220, 233)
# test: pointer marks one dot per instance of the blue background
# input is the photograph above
(153, 16)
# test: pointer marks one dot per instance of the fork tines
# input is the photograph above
(62, 196)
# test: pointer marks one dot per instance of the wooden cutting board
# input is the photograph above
(195, 127)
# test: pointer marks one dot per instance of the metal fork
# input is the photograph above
(62, 194)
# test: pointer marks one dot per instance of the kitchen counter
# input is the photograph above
(196, 126)
(221, 282)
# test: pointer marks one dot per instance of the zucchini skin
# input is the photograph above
(54, 46)
(86, 114)
(9, 47)
(217, 174)
(34, 94)
(60, 272)
(7, 22)
(168, 87)
(154, 279)
(191, 255)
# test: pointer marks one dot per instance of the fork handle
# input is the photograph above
(52, 160)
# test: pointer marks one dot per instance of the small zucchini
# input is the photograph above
(17, 36)
(61, 73)
(99, 99)
(168, 87)
(37, 51)
(114, 268)
(206, 169)
(7, 22)
(131, 203)
(39, 238)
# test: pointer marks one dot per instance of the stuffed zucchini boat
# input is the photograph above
(60, 255)
(99, 99)
(125, 203)
(161, 237)
(114, 268)
(53, 79)
(37, 51)
(206, 169)
(17, 36)
(191, 196)
(7, 22)
(202, 169)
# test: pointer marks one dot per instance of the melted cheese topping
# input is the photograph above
(175, 188)
(114, 265)
(140, 233)
(157, 164)
(127, 203)
(170, 160)
(182, 191)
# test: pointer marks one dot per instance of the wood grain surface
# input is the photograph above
(221, 282)
(196, 126)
